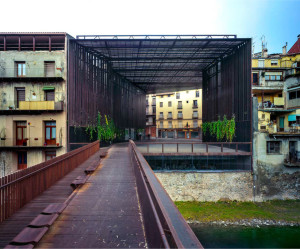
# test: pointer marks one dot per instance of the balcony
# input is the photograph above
(287, 131)
(30, 74)
(29, 143)
(195, 115)
(195, 106)
(26, 107)
(179, 107)
(161, 117)
(278, 104)
(268, 85)
(41, 105)
(179, 116)
(170, 116)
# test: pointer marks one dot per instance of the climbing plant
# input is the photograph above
(220, 129)
(104, 129)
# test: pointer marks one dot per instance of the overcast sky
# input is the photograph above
(277, 20)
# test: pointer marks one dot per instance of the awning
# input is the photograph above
(47, 88)
(293, 117)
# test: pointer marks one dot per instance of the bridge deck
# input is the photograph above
(105, 212)
(58, 193)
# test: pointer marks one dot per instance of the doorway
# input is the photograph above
(22, 160)
(281, 124)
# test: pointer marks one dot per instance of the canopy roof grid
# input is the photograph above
(157, 63)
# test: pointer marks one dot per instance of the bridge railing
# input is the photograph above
(21, 187)
(201, 148)
(164, 225)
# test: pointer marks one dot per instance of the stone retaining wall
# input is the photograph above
(204, 186)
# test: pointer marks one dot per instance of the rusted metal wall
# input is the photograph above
(94, 87)
(227, 91)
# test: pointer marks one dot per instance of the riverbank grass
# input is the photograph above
(277, 210)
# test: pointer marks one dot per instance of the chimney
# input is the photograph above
(265, 53)
(298, 36)
(284, 49)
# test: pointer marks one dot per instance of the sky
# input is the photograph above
(274, 21)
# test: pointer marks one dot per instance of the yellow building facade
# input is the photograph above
(179, 114)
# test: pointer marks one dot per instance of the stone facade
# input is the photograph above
(197, 186)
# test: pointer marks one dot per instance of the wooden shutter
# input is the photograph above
(50, 95)
(49, 68)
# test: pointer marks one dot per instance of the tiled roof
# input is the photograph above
(295, 49)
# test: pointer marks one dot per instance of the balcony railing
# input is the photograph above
(30, 142)
(38, 103)
(179, 116)
(169, 116)
(41, 105)
(29, 72)
(179, 107)
(161, 117)
(269, 83)
(195, 106)
(278, 103)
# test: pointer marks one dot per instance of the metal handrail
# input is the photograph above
(26, 184)
(172, 229)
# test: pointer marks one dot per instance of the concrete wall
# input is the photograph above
(273, 180)
(213, 186)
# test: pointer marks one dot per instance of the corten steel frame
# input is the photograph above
(221, 65)
(94, 87)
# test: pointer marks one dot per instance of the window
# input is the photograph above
(161, 115)
(179, 104)
(161, 104)
(273, 146)
(255, 78)
(169, 124)
(179, 123)
(195, 124)
(49, 67)
(154, 109)
(170, 104)
(195, 103)
(50, 155)
(20, 92)
(50, 133)
(292, 95)
(261, 63)
(263, 127)
(263, 116)
(187, 101)
(273, 77)
(161, 96)
(197, 94)
(180, 114)
(274, 62)
(21, 133)
(177, 95)
(169, 95)
(195, 114)
(21, 69)
(169, 114)
(161, 124)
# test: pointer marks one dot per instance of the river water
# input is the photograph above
(214, 236)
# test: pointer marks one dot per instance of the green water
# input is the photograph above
(247, 237)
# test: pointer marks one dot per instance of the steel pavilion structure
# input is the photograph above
(112, 74)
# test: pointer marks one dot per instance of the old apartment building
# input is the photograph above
(276, 85)
(32, 99)
(174, 114)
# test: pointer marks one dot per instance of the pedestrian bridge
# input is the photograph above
(117, 201)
